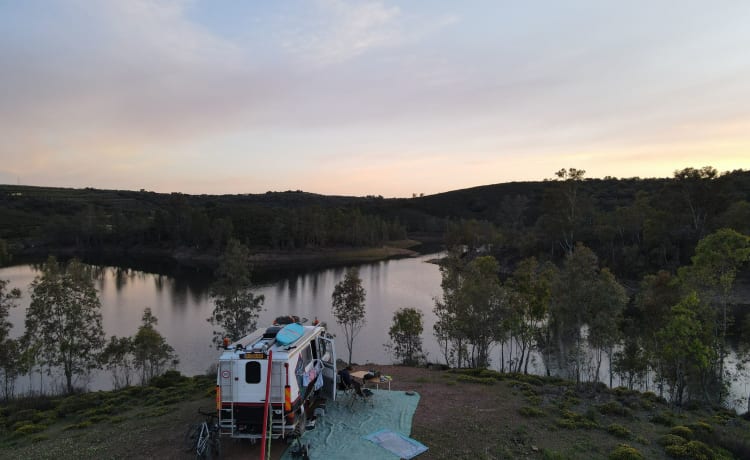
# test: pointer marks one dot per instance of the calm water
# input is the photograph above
(181, 304)
(180, 301)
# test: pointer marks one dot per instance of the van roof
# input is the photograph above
(263, 340)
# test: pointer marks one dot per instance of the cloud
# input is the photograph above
(341, 30)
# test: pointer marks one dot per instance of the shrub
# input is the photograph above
(531, 412)
(672, 440)
(79, 426)
(701, 427)
(625, 452)
(682, 431)
(170, 378)
(30, 429)
(663, 418)
(614, 408)
(619, 431)
(480, 380)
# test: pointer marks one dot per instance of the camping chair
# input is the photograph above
(354, 392)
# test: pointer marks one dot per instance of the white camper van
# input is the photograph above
(282, 377)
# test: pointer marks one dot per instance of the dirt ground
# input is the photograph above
(459, 416)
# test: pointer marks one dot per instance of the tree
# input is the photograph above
(64, 318)
(8, 347)
(4, 253)
(348, 305)
(151, 352)
(452, 342)
(236, 307)
(405, 334)
(529, 303)
(585, 296)
(119, 360)
(685, 352)
(568, 210)
(717, 259)
(484, 308)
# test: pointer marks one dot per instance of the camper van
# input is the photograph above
(282, 371)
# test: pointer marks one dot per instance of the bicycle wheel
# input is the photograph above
(202, 445)
(191, 437)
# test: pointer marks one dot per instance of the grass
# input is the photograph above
(28, 423)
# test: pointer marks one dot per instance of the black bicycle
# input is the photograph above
(203, 438)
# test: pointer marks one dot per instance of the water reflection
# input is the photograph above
(180, 300)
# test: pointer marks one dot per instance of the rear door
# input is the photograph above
(328, 358)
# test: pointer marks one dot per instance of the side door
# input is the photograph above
(328, 358)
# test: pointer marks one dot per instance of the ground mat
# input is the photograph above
(398, 444)
(341, 432)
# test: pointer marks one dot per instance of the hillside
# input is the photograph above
(468, 415)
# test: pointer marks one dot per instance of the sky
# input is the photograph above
(367, 97)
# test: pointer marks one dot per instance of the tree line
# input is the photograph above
(63, 334)
(674, 331)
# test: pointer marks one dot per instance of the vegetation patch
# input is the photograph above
(672, 440)
(614, 408)
(479, 380)
(682, 431)
(79, 426)
(625, 452)
(531, 412)
(619, 431)
(30, 429)
(663, 418)
(692, 450)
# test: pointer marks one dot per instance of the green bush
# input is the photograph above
(619, 431)
(531, 412)
(79, 426)
(672, 440)
(625, 452)
(682, 431)
(663, 418)
(30, 429)
(480, 380)
(701, 427)
(614, 408)
(693, 450)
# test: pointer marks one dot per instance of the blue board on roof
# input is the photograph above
(290, 333)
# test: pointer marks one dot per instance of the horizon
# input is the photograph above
(367, 98)
(414, 195)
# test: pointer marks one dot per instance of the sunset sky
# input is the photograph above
(367, 97)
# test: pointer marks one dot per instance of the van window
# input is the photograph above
(252, 372)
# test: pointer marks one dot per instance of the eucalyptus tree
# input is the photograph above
(529, 297)
(405, 336)
(712, 274)
(348, 306)
(483, 304)
(151, 352)
(236, 307)
(584, 295)
(685, 352)
(9, 355)
(64, 320)
(447, 310)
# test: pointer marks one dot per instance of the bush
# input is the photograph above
(619, 431)
(480, 380)
(693, 450)
(664, 418)
(682, 431)
(614, 408)
(672, 440)
(79, 426)
(30, 429)
(625, 452)
(531, 412)
(170, 378)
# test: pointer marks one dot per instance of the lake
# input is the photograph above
(182, 305)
